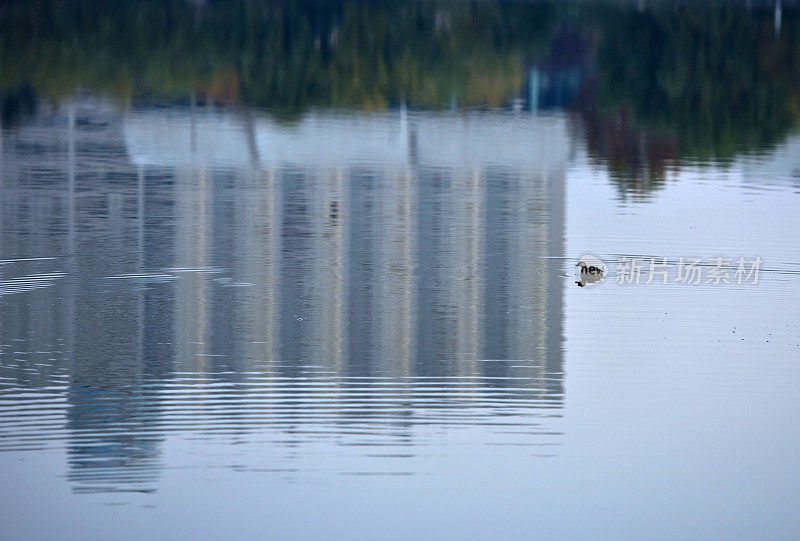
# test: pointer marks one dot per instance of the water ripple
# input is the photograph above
(30, 282)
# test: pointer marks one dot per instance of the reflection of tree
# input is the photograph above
(637, 161)
(285, 55)
(714, 76)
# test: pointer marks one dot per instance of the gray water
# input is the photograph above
(217, 322)
(202, 333)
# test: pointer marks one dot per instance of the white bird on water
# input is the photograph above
(590, 274)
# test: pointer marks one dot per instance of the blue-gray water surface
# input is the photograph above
(229, 313)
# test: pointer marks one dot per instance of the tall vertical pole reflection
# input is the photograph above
(469, 200)
(259, 256)
(70, 252)
(395, 310)
(140, 262)
(193, 224)
(328, 327)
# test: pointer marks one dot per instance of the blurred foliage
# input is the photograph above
(715, 76)
(637, 161)
(283, 55)
(671, 81)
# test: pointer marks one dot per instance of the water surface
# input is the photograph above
(340, 300)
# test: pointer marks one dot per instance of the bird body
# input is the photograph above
(589, 274)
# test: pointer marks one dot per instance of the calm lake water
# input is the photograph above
(280, 271)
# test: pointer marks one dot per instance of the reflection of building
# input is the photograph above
(69, 195)
(355, 246)
(382, 241)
